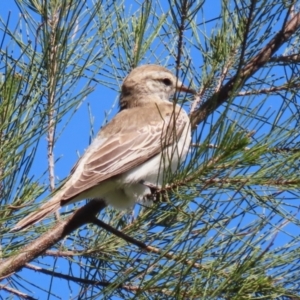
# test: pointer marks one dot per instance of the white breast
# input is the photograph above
(167, 161)
(128, 188)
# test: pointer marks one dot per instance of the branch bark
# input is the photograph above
(263, 57)
(83, 215)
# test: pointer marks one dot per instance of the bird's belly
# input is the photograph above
(129, 189)
(126, 189)
(155, 171)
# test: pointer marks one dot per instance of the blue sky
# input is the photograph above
(75, 138)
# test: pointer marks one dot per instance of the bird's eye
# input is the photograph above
(167, 81)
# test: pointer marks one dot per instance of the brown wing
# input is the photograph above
(130, 139)
(123, 144)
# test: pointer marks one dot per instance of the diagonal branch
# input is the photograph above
(275, 89)
(15, 292)
(145, 247)
(81, 216)
(66, 276)
(263, 57)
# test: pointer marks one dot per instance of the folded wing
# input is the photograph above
(123, 151)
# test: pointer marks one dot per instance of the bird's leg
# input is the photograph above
(153, 188)
(154, 191)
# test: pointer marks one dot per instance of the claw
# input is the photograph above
(153, 188)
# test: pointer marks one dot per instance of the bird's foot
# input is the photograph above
(155, 192)
(153, 188)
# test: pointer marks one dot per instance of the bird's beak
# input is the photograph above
(180, 87)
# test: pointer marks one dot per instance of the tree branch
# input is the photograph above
(15, 292)
(67, 277)
(274, 89)
(263, 57)
(83, 215)
(145, 247)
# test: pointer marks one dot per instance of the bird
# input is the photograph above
(148, 137)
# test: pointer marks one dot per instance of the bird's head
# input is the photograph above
(149, 83)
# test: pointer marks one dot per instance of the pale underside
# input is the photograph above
(117, 162)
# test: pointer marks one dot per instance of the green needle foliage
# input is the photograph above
(226, 226)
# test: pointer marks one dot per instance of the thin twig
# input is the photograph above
(249, 20)
(143, 246)
(270, 150)
(181, 28)
(86, 281)
(52, 75)
(286, 58)
(275, 89)
(15, 292)
(66, 277)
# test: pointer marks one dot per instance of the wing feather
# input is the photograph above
(129, 144)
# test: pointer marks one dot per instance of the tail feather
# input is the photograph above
(49, 207)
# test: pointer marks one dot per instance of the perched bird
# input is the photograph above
(147, 138)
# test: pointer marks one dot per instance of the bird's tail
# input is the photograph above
(49, 207)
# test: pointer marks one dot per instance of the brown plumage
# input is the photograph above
(147, 136)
